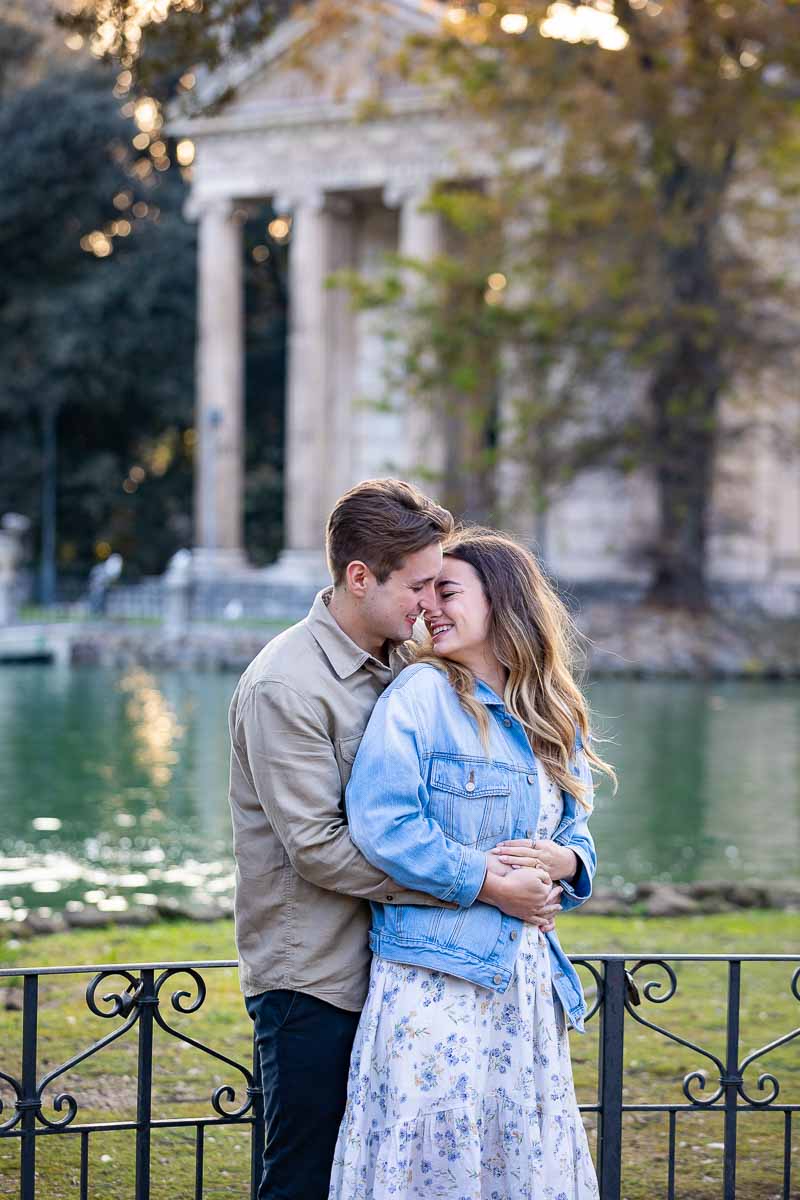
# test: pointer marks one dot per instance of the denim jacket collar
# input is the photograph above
(487, 695)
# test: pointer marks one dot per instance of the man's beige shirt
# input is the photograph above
(296, 720)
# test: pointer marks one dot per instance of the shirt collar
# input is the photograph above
(487, 695)
(341, 651)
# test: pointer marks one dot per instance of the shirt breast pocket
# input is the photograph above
(470, 800)
(346, 750)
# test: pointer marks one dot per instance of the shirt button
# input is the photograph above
(498, 979)
(513, 935)
(507, 723)
(531, 778)
(390, 898)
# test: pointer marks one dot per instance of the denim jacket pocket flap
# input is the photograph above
(468, 778)
(470, 800)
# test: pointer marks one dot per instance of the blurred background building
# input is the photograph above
(350, 186)
(206, 293)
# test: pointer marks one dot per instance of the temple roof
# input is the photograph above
(326, 55)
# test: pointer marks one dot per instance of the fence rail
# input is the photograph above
(617, 986)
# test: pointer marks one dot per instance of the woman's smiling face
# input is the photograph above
(459, 624)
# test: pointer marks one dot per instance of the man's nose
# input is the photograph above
(427, 601)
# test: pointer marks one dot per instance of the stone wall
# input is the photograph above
(622, 640)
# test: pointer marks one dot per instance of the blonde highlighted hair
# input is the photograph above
(533, 636)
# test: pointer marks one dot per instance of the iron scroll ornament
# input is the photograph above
(651, 991)
(128, 1003)
(121, 1003)
(767, 1077)
(224, 1091)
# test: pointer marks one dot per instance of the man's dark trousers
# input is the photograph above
(304, 1050)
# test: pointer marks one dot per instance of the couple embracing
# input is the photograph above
(415, 1046)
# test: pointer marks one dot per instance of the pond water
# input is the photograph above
(113, 784)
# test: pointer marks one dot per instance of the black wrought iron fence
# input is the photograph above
(620, 987)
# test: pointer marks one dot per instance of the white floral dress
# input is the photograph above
(456, 1091)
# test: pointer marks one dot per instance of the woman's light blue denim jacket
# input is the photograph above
(426, 800)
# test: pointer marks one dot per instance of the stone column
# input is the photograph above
(420, 237)
(219, 473)
(341, 350)
(319, 368)
(305, 399)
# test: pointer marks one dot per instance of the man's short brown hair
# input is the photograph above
(380, 522)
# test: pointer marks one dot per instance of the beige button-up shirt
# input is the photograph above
(296, 720)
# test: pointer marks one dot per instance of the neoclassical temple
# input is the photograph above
(294, 131)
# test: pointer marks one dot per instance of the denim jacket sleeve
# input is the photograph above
(579, 889)
(386, 801)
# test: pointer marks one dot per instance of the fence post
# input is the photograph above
(612, 1021)
(30, 1103)
(144, 1084)
(732, 1078)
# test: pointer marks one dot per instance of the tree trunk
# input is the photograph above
(688, 381)
(469, 473)
(684, 396)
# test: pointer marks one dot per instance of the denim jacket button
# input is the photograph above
(529, 833)
(507, 723)
(513, 935)
(469, 787)
(531, 778)
(498, 979)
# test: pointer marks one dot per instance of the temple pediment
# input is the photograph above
(329, 56)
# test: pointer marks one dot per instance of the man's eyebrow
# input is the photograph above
(422, 582)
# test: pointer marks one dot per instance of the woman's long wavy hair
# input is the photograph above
(533, 637)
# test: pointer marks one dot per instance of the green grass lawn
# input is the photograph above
(184, 1078)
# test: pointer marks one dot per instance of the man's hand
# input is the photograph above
(558, 861)
(528, 895)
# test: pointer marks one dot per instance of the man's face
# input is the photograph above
(391, 608)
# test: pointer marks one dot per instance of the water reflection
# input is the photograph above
(154, 726)
(113, 784)
(112, 781)
(709, 780)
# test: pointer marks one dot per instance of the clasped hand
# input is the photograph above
(558, 861)
(530, 895)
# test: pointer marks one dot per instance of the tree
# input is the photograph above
(97, 280)
(160, 42)
(648, 231)
(97, 328)
(645, 277)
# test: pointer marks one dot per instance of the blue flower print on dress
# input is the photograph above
(460, 1093)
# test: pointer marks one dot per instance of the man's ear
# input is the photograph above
(357, 578)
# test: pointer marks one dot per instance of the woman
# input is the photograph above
(475, 758)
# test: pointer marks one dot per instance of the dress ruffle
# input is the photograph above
(488, 1151)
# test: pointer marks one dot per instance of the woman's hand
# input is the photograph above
(547, 904)
(559, 862)
(494, 866)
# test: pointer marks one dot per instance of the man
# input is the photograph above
(296, 719)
